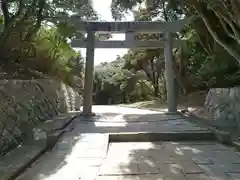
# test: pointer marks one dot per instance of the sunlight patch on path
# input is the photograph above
(123, 110)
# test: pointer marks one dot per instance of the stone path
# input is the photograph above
(85, 153)
(170, 161)
(76, 156)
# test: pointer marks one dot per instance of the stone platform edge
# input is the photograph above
(222, 137)
(163, 136)
(41, 146)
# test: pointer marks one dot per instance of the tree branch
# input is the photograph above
(6, 16)
(202, 44)
(164, 11)
(39, 17)
(223, 11)
(216, 37)
(224, 25)
(235, 31)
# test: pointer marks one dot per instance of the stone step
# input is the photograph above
(163, 136)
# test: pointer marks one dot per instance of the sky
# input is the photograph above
(106, 55)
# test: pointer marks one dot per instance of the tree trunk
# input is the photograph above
(154, 79)
(156, 90)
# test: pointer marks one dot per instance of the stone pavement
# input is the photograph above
(74, 157)
(114, 119)
(84, 153)
(170, 161)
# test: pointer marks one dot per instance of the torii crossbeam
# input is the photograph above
(129, 28)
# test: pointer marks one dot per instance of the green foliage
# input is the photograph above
(33, 43)
(54, 56)
(209, 53)
(115, 84)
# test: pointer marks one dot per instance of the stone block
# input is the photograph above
(188, 167)
(222, 157)
(151, 177)
(230, 168)
(223, 137)
(148, 168)
(119, 169)
(172, 172)
(214, 172)
(200, 176)
(202, 160)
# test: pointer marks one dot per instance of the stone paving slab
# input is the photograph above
(230, 168)
(80, 159)
(214, 172)
(170, 161)
(200, 176)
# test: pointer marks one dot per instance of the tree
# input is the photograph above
(215, 23)
(225, 13)
(32, 37)
(34, 12)
(114, 84)
(226, 27)
(23, 19)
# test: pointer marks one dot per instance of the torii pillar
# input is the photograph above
(88, 79)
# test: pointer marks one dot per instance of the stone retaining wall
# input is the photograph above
(24, 104)
(223, 105)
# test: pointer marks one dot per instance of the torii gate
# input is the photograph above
(129, 28)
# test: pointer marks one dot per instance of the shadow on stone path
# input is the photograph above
(170, 161)
(75, 156)
(85, 153)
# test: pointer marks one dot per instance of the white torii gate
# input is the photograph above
(129, 28)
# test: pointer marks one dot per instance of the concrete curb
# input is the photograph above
(167, 136)
(47, 144)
